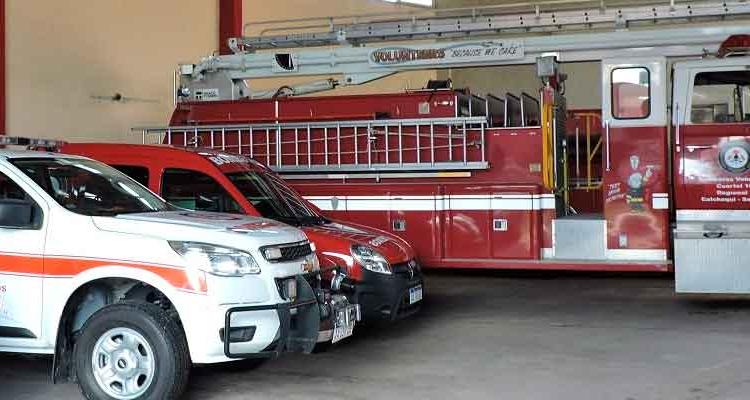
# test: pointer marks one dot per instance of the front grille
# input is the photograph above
(295, 252)
(290, 252)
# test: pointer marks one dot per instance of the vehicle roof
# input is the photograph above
(156, 150)
(9, 154)
(713, 62)
(151, 148)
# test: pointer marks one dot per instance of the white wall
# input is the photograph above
(61, 53)
(583, 88)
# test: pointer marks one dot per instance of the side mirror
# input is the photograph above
(16, 214)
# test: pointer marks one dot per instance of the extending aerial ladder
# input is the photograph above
(571, 30)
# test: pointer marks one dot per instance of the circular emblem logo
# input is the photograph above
(735, 157)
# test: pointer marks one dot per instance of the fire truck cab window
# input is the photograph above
(631, 93)
(721, 97)
(196, 191)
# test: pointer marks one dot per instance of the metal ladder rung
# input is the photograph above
(422, 143)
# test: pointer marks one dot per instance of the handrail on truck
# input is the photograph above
(591, 153)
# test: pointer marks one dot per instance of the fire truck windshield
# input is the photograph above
(90, 188)
(273, 199)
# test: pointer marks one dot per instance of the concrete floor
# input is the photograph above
(501, 336)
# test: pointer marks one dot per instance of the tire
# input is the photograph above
(139, 350)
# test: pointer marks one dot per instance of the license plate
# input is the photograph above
(344, 323)
(415, 294)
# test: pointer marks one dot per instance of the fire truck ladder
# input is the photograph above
(484, 36)
(529, 17)
(435, 144)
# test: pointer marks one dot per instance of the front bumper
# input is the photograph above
(223, 332)
(300, 322)
(386, 297)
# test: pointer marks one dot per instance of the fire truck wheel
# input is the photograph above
(131, 350)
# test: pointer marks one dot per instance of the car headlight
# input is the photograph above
(312, 263)
(371, 259)
(217, 260)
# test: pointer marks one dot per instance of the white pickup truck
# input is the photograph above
(127, 292)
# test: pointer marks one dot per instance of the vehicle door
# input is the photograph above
(635, 176)
(22, 242)
(712, 175)
(712, 142)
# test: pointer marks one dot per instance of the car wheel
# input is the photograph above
(131, 351)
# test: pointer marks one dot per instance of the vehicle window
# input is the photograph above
(89, 187)
(10, 190)
(139, 174)
(260, 195)
(631, 93)
(721, 97)
(273, 198)
(297, 202)
(197, 191)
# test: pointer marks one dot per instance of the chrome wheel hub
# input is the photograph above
(123, 363)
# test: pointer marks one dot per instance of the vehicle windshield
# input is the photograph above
(274, 199)
(89, 187)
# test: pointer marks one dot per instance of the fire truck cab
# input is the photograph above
(711, 156)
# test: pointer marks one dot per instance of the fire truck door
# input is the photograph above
(22, 239)
(712, 175)
(635, 184)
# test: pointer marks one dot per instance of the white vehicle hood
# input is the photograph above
(214, 228)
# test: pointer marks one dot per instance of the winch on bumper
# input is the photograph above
(312, 316)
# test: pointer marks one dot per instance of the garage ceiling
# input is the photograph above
(557, 3)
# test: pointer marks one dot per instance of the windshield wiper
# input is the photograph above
(313, 220)
(290, 220)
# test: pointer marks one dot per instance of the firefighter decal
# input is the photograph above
(637, 182)
(735, 156)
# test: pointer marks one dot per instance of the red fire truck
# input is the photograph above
(655, 180)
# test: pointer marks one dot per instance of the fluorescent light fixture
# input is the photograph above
(423, 3)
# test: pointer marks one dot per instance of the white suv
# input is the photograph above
(127, 291)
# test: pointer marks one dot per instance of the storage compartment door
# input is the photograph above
(712, 258)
